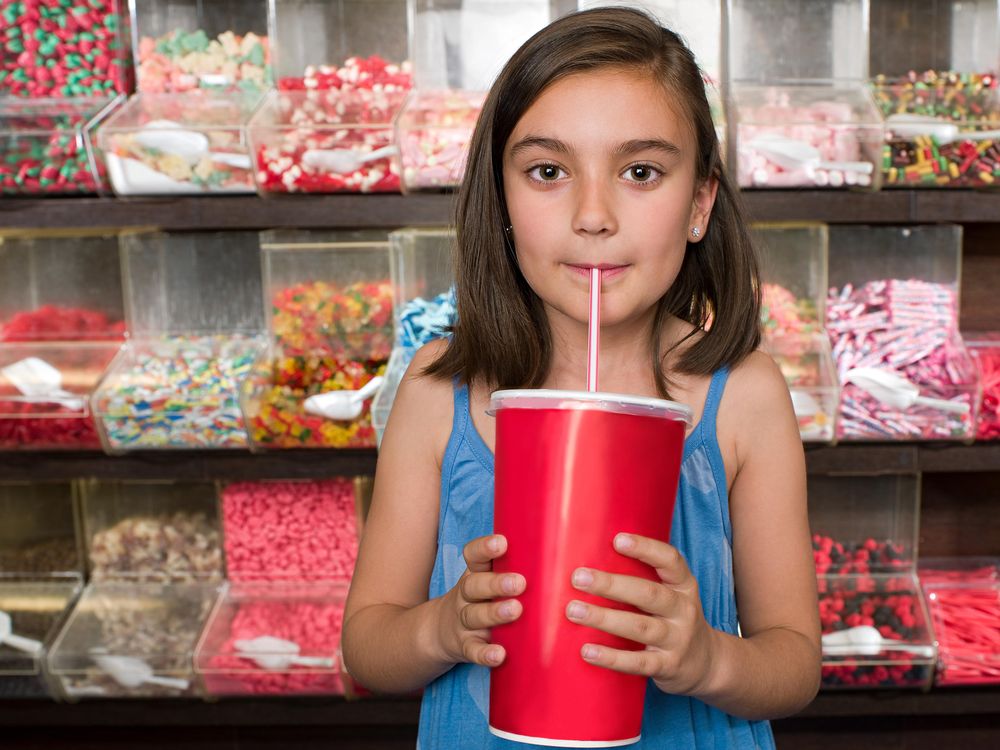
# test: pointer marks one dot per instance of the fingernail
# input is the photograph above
(576, 611)
(494, 655)
(582, 577)
(509, 584)
(624, 542)
(589, 652)
(507, 609)
(494, 544)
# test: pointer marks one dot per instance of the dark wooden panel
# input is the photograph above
(960, 514)
(981, 278)
(831, 206)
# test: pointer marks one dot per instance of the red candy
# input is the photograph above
(290, 531)
(987, 357)
(55, 322)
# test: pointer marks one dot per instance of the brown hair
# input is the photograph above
(501, 333)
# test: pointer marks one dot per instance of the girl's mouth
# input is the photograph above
(608, 270)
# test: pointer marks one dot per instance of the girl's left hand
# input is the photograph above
(670, 623)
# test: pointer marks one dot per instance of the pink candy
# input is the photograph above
(434, 133)
(908, 327)
(297, 531)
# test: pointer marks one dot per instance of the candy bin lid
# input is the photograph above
(47, 145)
(793, 275)
(81, 49)
(399, 361)
(864, 523)
(192, 283)
(60, 285)
(34, 611)
(787, 40)
(128, 639)
(152, 531)
(182, 45)
(947, 39)
(876, 632)
(274, 638)
(447, 42)
(290, 530)
(39, 540)
(321, 44)
(180, 143)
(422, 278)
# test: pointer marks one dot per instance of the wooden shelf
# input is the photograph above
(312, 211)
(874, 458)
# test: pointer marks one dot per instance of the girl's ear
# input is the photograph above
(701, 208)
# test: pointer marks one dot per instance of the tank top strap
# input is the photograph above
(716, 387)
(461, 396)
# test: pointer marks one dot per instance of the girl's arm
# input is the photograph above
(774, 669)
(394, 639)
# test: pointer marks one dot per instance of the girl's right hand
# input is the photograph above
(468, 611)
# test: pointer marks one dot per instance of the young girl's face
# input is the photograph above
(600, 171)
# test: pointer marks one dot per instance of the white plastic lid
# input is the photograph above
(619, 403)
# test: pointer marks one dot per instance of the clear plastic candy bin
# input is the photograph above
(827, 136)
(433, 134)
(892, 317)
(985, 351)
(38, 536)
(152, 531)
(47, 147)
(37, 611)
(193, 309)
(329, 304)
(806, 363)
(132, 640)
(179, 144)
(181, 45)
(275, 639)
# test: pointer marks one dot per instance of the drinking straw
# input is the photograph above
(593, 328)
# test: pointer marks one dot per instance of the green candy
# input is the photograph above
(256, 56)
(195, 42)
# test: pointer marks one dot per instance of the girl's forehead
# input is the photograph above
(609, 104)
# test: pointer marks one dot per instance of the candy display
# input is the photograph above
(177, 547)
(806, 136)
(904, 329)
(180, 61)
(132, 640)
(177, 392)
(963, 598)
(985, 352)
(941, 130)
(45, 146)
(35, 611)
(189, 143)
(433, 134)
(421, 321)
(889, 607)
(332, 132)
(784, 314)
(274, 640)
(844, 558)
(39, 558)
(290, 531)
(806, 364)
(38, 536)
(61, 323)
(54, 48)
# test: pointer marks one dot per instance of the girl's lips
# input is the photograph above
(607, 271)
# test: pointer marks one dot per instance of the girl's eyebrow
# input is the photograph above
(625, 148)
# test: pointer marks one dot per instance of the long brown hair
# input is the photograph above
(501, 334)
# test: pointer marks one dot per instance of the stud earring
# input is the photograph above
(507, 228)
(696, 232)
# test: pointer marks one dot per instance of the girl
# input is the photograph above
(596, 147)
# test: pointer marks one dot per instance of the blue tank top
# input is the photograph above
(455, 706)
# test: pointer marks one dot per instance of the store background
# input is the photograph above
(214, 268)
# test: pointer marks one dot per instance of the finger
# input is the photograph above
(645, 662)
(480, 553)
(486, 616)
(652, 597)
(649, 631)
(480, 651)
(480, 587)
(666, 559)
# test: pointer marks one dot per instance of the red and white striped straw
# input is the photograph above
(593, 328)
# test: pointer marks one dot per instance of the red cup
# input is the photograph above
(572, 470)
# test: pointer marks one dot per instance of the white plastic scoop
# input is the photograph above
(904, 125)
(343, 405)
(131, 672)
(7, 638)
(172, 138)
(342, 160)
(270, 652)
(789, 153)
(892, 389)
(864, 640)
(40, 382)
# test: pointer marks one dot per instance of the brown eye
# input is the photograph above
(548, 172)
(641, 173)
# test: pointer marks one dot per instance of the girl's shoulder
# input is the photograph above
(422, 410)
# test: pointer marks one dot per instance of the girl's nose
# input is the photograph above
(594, 214)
